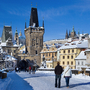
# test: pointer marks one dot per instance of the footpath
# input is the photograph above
(15, 82)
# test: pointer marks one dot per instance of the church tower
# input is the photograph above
(34, 37)
(66, 37)
(73, 33)
(16, 37)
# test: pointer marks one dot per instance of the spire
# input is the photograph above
(34, 18)
(78, 32)
(20, 34)
(66, 37)
(25, 24)
(16, 31)
(43, 22)
(69, 34)
(73, 29)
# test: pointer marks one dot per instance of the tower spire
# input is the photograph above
(34, 18)
(43, 22)
(25, 24)
(66, 37)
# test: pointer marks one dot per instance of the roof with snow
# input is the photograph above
(75, 44)
(81, 56)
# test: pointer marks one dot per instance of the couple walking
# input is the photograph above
(67, 74)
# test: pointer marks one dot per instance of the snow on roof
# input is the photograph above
(87, 50)
(10, 58)
(22, 49)
(75, 44)
(15, 45)
(3, 44)
(81, 56)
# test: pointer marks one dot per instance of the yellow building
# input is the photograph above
(69, 51)
(49, 54)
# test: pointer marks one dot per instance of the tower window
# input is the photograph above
(36, 51)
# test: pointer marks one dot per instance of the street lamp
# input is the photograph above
(44, 61)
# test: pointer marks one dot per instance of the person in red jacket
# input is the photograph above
(29, 69)
(58, 71)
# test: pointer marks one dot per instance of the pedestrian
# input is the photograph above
(67, 74)
(58, 71)
(33, 70)
(29, 69)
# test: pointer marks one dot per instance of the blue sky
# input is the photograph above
(59, 15)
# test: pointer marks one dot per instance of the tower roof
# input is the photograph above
(16, 31)
(34, 17)
(20, 34)
(73, 29)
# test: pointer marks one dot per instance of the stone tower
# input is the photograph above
(73, 33)
(34, 37)
(7, 33)
(16, 37)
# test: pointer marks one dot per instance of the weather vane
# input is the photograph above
(36, 4)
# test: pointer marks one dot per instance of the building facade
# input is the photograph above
(49, 55)
(69, 51)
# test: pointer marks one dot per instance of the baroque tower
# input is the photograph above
(34, 37)
(16, 37)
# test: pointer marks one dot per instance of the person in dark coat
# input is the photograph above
(58, 71)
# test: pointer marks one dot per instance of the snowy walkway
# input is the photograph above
(45, 81)
(17, 83)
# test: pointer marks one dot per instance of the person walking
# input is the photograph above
(67, 74)
(58, 71)
(29, 69)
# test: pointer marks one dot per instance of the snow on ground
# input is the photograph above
(45, 80)
(42, 80)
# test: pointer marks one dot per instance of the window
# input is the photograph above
(46, 54)
(63, 62)
(68, 63)
(82, 63)
(14, 51)
(68, 51)
(49, 54)
(72, 51)
(55, 54)
(64, 51)
(50, 65)
(78, 63)
(71, 62)
(9, 50)
(36, 51)
(71, 57)
(63, 57)
(67, 57)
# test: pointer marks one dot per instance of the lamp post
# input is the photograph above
(44, 61)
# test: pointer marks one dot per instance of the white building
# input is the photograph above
(80, 60)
